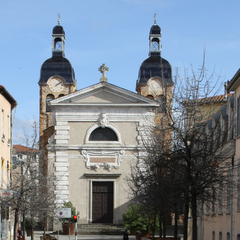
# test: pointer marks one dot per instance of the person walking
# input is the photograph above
(125, 235)
(19, 234)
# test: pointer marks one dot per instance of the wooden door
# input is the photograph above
(102, 202)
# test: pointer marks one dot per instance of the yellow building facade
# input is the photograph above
(7, 104)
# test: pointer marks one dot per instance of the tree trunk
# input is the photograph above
(164, 226)
(185, 226)
(154, 224)
(15, 225)
(44, 226)
(32, 235)
(23, 227)
(160, 224)
(194, 216)
(176, 223)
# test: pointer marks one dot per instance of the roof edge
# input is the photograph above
(8, 96)
(232, 84)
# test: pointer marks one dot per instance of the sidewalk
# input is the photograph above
(37, 235)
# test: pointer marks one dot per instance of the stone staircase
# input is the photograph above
(99, 228)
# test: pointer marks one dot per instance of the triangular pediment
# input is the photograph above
(103, 93)
(104, 96)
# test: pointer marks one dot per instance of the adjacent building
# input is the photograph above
(7, 104)
(221, 220)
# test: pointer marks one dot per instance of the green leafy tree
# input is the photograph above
(138, 220)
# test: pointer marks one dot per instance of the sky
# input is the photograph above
(114, 32)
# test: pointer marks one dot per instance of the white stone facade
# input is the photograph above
(80, 162)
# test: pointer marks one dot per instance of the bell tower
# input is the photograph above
(57, 77)
(58, 43)
(155, 39)
(155, 73)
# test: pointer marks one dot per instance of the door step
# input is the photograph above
(104, 229)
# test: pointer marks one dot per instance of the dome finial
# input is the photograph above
(58, 19)
(155, 19)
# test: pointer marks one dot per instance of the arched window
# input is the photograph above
(213, 235)
(103, 134)
(48, 99)
(228, 236)
(220, 235)
(155, 44)
(150, 97)
(58, 44)
(61, 95)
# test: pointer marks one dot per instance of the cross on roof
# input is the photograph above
(103, 69)
(59, 19)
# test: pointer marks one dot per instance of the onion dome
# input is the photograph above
(58, 30)
(155, 29)
(155, 66)
(57, 65)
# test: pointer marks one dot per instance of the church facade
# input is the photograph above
(97, 131)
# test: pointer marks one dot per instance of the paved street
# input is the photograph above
(37, 235)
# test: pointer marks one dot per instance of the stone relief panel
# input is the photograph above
(106, 159)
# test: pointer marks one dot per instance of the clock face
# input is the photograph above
(156, 87)
(56, 85)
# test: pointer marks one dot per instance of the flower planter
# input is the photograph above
(161, 238)
(65, 227)
(47, 238)
(28, 232)
(139, 236)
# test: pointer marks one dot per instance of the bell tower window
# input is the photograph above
(58, 44)
(150, 97)
(155, 44)
(48, 99)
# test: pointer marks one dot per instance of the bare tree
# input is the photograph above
(186, 150)
(32, 188)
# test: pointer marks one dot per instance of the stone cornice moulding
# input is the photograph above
(107, 105)
(116, 118)
(117, 147)
(77, 157)
(102, 175)
(81, 110)
(93, 114)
